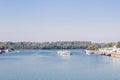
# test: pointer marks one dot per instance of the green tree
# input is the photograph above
(93, 47)
(109, 44)
(118, 44)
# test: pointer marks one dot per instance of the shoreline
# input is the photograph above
(105, 52)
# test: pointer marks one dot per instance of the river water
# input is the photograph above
(47, 65)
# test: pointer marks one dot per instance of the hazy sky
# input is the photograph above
(60, 20)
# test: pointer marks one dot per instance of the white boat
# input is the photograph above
(64, 53)
(90, 52)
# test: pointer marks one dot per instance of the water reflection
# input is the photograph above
(115, 62)
(9, 58)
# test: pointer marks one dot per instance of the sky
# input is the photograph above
(60, 20)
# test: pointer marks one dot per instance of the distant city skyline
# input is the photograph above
(60, 20)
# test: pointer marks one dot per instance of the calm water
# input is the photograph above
(47, 65)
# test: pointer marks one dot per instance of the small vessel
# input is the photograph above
(89, 52)
(102, 53)
(64, 53)
(0, 51)
(6, 50)
(107, 54)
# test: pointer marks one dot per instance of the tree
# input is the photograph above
(93, 47)
(110, 44)
(118, 44)
(48, 45)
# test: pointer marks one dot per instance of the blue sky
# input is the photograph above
(60, 20)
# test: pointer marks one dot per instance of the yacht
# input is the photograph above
(64, 53)
(90, 52)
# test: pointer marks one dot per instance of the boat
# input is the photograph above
(102, 53)
(107, 54)
(88, 52)
(64, 53)
(6, 50)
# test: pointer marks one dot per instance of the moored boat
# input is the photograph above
(90, 52)
(64, 53)
(6, 50)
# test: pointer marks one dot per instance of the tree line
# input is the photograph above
(46, 45)
(55, 45)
